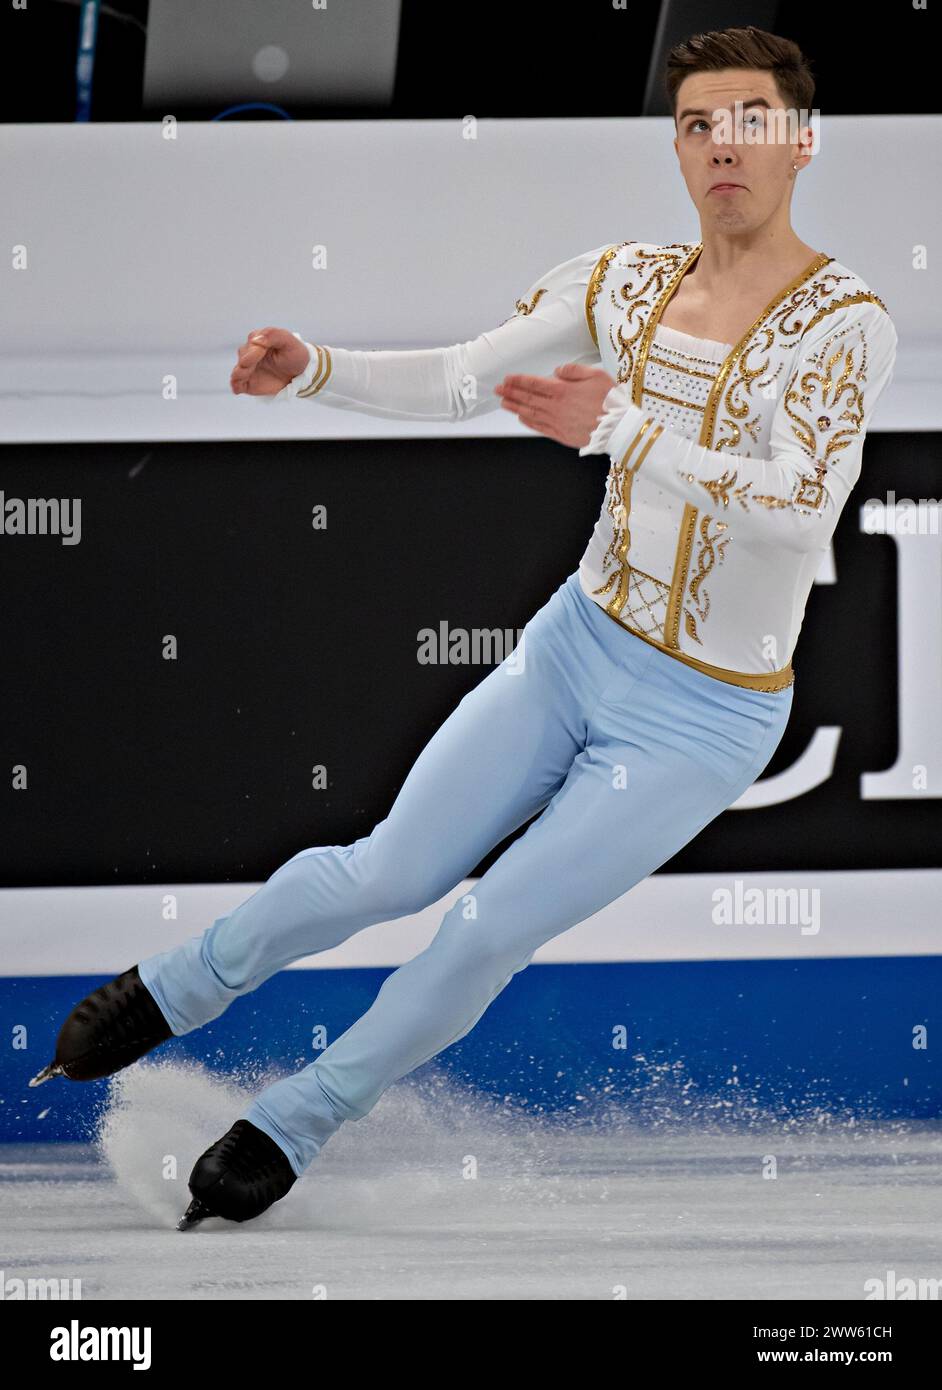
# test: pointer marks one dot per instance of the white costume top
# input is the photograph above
(730, 463)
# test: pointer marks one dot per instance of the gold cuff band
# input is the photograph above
(322, 374)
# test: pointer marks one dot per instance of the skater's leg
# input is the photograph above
(668, 750)
(496, 760)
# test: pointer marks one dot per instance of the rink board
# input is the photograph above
(708, 1039)
(739, 1022)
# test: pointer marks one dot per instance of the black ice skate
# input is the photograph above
(115, 1025)
(238, 1177)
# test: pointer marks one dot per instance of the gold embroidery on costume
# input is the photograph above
(673, 400)
(861, 297)
(821, 398)
(621, 476)
(679, 366)
(738, 407)
(737, 402)
(800, 311)
(654, 276)
(710, 547)
(595, 285)
(829, 391)
(668, 266)
(679, 578)
(647, 274)
(523, 307)
(321, 374)
(660, 273)
(645, 607)
(794, 314)
(721, 488)
(788, 300)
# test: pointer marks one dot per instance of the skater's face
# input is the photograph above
(752, 145)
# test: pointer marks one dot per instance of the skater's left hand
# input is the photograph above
(565, 406)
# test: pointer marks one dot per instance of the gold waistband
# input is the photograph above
(767, 680)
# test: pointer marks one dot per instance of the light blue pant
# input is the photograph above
(629, 751)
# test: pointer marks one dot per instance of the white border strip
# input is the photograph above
(668, 917)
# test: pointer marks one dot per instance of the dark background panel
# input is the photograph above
(298, 647)
(497, 58)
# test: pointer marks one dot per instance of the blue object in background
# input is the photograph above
(253, 106)
(707, 1041)
(85, 61)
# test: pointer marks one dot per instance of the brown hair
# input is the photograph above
(743, 48)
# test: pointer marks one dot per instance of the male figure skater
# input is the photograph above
(731, 381)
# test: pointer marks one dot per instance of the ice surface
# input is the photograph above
(670, 1203)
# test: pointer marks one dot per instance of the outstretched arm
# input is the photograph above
(450, 383)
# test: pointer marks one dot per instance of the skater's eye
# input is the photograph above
(697, 121)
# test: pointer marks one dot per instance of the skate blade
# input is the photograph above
(196, 1212)
(47, 1073)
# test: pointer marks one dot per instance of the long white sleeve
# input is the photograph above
(794, 498)
(549, 328)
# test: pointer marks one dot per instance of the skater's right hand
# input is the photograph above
(267, 360)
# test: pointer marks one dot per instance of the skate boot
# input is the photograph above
(238, 1177)
(115, 1025)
